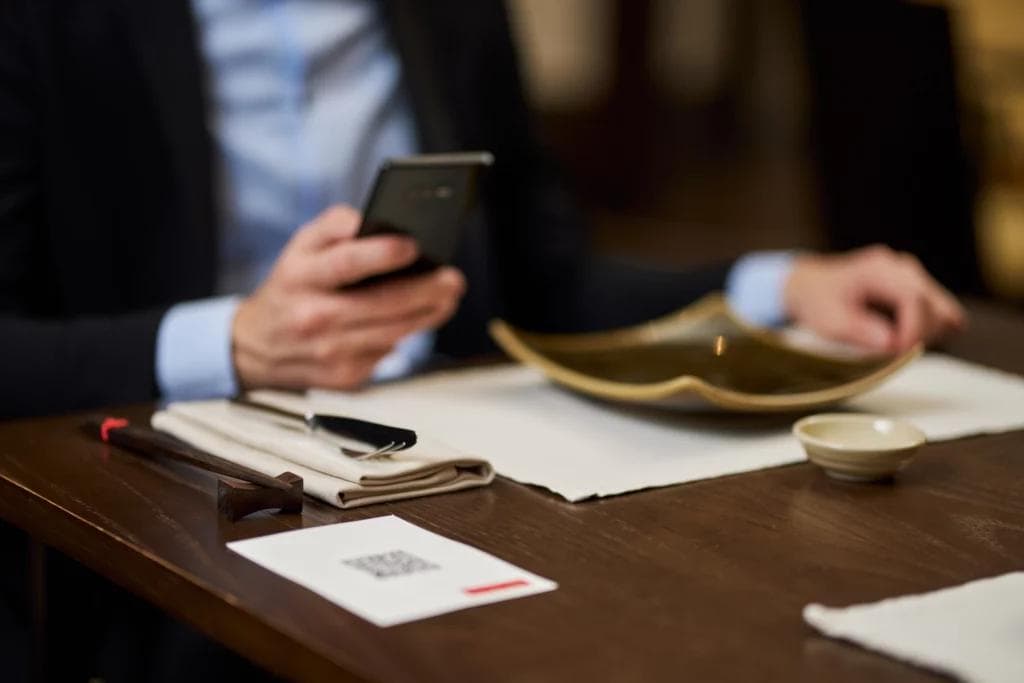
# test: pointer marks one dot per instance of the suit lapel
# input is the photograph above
(411, 32)
(164, 37)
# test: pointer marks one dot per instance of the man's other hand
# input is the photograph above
(300, 328)
(874, 298)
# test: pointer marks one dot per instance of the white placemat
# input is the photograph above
(536, 433)
(974, 631)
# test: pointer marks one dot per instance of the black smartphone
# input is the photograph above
(427, 197)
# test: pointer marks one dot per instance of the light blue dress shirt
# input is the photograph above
(306, 101)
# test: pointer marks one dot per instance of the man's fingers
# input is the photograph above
(346, 359)
(298, 330)
(350, 374)
(324, 254)
(946, 312)
(340, 345)
(913, 320)
(923, 309)
(318, 314)
(332, 225)
(329, 329)
(864, 328)
(835, 296)
(385, 335)
(403, 297)
(947, 308)
(346, 263)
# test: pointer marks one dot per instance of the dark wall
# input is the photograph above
(888, 133)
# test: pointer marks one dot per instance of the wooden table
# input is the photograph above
(702, 581)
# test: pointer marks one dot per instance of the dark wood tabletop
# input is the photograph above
(703, 581)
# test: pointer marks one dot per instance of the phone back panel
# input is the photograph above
(428, 203)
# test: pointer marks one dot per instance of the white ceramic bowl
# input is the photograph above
(858, 447)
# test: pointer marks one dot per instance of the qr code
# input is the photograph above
(390, 564)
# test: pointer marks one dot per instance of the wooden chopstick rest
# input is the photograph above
(256, 491)
(238, 499)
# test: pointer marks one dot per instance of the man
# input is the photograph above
(158, 158)
(164, 152)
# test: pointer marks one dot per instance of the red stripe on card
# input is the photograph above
(477, 590)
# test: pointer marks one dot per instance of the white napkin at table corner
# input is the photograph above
(974, 631)
(245, 437)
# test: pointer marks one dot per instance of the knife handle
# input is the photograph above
(361, 430)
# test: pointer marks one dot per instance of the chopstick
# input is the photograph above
(151, 442)
(255, 492)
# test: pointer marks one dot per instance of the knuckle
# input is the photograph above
(396, 250)
(306, 235)
(305, 230)
(347, 376)
(308, 319)
(917, 293)
(324, 352)
(345, 261)
(905, 257)
(455, 282)
(443, 287)
(878, 253)
(339, 213)
(913, 266)
(347, 306)
(287, 269)
(398, 332)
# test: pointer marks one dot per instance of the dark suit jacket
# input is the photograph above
(108, 214)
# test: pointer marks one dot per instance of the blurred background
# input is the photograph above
(696, 130)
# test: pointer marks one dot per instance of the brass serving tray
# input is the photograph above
(702, 356)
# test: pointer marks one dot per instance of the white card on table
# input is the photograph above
(389, 571)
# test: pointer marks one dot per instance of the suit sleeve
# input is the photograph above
(551, 279)
(49, 363)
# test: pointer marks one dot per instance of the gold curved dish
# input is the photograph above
(702, 355)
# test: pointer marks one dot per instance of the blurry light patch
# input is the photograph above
(721, 345)
(566, 47)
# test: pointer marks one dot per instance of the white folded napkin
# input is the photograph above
(249, 438)
(974, 632)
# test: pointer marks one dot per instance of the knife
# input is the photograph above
(358, 439)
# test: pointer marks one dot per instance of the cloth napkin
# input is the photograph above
(974, 631)
(248, 437)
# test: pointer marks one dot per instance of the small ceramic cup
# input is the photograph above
(858, 447)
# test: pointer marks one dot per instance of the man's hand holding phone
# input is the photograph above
(302, 327)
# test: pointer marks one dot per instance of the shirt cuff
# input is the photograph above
(755, 286)
(193, 350)
(408, 356)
